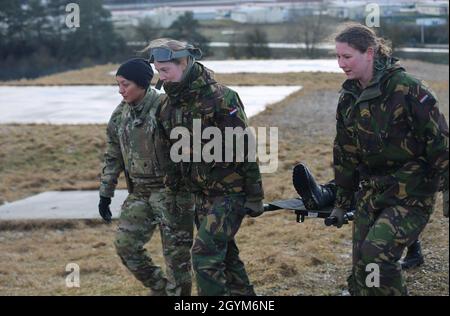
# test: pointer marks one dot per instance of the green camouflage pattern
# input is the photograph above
(380, 237)
(215, 256)
(392, 136)
(221, 188)
(134, 145)
(199, 96)
(391, 148)
(172, 213)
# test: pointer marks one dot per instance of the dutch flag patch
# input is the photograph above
(233, 112)
(424, 98)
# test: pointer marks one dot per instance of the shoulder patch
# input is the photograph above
(233, 112)
(423, 94)
(423, 98)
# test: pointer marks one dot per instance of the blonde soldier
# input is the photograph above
(135, 146)
(225, 191)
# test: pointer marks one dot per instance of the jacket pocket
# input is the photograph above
(141, 168)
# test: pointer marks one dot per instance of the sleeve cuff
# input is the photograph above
(106, 192)
(344, 198)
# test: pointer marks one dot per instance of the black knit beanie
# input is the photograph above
(137, 70)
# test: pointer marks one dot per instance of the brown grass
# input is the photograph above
(99, 75)
(282, 257)
(37, 158)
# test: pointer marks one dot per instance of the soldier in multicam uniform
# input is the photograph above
(225, 191)
(135, 146)
(392, 142)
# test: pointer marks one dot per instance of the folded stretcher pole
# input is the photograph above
(300, 210)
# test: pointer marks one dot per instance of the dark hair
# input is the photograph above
(361, 37)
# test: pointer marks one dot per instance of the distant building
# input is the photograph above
(164, 13)
(391, 8)
(162, 17)
(347, 9)
(388, 8)
(306, 8)
(259, 14)
(437, 8)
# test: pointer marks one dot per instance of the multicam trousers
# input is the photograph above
(172, 213)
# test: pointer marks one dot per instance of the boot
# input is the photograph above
(160, 292)
(414, 257)
(314, 196)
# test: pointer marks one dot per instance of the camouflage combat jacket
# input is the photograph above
(391, 139)
(134, 145)
(200, 97)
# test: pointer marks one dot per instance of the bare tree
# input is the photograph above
(146, 30)
(311, 28)
(256, 44)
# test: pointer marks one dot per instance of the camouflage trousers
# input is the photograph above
(173, 214)
(379, 238)
(215, 256)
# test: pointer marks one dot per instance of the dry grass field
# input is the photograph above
(282, 257)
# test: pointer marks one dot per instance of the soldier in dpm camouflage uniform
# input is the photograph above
(318, 196)
(225, 191)
(392, 142)
(135, 146)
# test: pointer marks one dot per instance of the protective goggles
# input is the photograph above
(163, 54)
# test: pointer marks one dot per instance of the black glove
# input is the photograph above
(339, 214)
(254, 208)
(103, 208)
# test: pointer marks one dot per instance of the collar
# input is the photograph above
(383, 68)
(147, 101)
(197, 78)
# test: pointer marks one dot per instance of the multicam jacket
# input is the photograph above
(391, 138)
(134, 145)
(200, 97)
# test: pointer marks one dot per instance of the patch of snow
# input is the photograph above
(269, 66)
(272, 66)
(94, 104)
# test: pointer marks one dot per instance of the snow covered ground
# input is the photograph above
(60, 205)
(269, 66)
(272, 66)
(94, 104)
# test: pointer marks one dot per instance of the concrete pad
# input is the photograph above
(94, 104)
(60, 205)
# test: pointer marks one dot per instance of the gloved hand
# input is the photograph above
(445, 198)
(339, 214)
(254, 208)
(104, 210)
